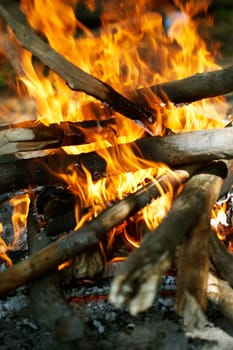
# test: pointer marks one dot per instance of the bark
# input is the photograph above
(138, 281)
(76, 78)
(49, 308)
(76, 242)
(192, 88)
(174, 150)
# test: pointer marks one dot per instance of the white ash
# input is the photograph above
(11, 306)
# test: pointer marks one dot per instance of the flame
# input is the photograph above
(221, 221)
(20, 204)
(132, 50)
(135, 47)
(20, 207)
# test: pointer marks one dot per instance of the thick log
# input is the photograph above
(88, 236)
(192, 88)
(33, 136)
(49, 308)
(138, 280)
(76, 78)
(174, 150)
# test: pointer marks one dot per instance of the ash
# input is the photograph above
(109, 328)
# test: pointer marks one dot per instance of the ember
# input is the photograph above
(109, 169)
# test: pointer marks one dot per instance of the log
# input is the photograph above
(76, 78)
(192, 88)
(33, 136)
(220, 293)
(221, 259)
(174, 150)
(49, 309)
(139, 278)
(86, 237)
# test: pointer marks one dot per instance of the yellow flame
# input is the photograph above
(132, 49)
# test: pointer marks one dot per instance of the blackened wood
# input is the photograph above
(76, 78)
(49, 308)
(192, 88)
(138, 280)
(88, 236)
(174, 150)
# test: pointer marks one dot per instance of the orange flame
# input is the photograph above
(20, 204)
(4, 249)
(132, 49)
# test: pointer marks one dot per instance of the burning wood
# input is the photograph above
(89, 235)
(74, 76)
(138, 281)
(190, 89)
(174, 150)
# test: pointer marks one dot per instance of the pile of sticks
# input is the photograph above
(183, 238)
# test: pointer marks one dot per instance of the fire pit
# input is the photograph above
(112, 185)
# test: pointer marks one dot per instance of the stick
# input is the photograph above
(193, 88)
(88, 236)
(174, 150)
(74, 76)
(32, 136)
(48, 305)
(137, 282)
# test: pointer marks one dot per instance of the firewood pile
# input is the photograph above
(200, 172)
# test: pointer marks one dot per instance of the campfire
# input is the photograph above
(128, 160)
